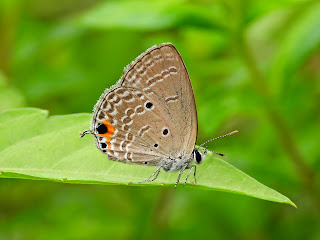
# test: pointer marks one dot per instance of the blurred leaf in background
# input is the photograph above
(254, 66)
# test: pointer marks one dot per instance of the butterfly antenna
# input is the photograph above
(208, 150)
(212, 139)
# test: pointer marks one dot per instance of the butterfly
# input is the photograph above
(149, 116)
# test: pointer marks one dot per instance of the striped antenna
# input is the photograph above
(212, 139)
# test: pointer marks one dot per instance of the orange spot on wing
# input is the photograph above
(108, 135)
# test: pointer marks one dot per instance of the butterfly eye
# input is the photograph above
(197, 156)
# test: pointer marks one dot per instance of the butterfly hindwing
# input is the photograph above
(133, 126)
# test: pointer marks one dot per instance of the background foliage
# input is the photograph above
(254, 66)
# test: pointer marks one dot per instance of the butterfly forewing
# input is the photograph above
(163, 77)
(150, 115)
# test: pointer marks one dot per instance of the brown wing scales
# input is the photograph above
(151, 109)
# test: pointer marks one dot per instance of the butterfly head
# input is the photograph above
(199, 156)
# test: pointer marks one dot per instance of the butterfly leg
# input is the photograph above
(178, 179)
(194, 173)
(156, 176)
(156, 172)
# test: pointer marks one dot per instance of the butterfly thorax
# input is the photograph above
(175, 164)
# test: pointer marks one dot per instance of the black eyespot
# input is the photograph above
(145, 163)
(149, 105)
(198, 156)
(101, 128)
(104, 150)
(156, 145)
(103, 145)
(165, 131)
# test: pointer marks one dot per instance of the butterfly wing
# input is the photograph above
(150, 115)
(161, 74)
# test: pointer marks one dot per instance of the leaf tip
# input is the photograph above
(292, 204)
(288, 201)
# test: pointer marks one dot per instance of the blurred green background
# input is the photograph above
(254, 66)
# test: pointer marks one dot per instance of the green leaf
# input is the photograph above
(128, 14)
(33, 146)
(151, 15)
